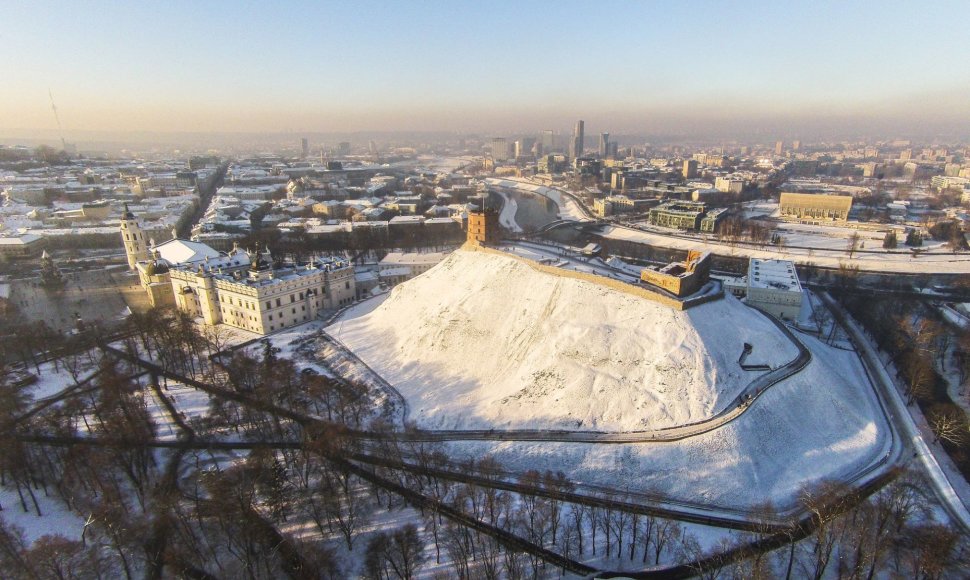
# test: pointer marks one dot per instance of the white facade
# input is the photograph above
(773, 286)
(396, 267)
(263, 300)
(729, 185)
(136, 245)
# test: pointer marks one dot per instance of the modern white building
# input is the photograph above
(773, 286)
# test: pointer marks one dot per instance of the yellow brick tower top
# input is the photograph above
(483, 227)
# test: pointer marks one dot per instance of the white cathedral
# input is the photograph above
(241, 289)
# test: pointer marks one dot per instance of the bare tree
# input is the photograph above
(825, 502)
(395, 555)
(949, 426)
(852, 244)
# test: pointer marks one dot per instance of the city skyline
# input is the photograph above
(507, 68)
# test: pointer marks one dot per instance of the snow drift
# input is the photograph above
(486, 341)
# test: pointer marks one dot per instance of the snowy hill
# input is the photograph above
(485, 341)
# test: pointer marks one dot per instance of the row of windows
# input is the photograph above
(282, 326)
(244, 304)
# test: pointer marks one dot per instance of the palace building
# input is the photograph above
(263, 299)
(237, 288)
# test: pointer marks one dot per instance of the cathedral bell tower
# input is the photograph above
(136, 247)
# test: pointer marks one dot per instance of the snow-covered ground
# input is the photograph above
(486, 341)
(904, 262)
(191, 403)
(821, 423)
(51, 381)
(54, 516)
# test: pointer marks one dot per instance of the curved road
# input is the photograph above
(901, 418)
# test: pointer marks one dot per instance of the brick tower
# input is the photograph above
(483, 226)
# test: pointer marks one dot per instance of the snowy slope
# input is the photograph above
(821, 423)
(485, 341)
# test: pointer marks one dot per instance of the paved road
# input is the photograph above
(902, 419)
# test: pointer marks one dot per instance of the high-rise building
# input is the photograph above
(500, 149)
(343, 148)
(779, 147)
(796, 145)
(523, 146)
(305, 147)
(604, 144)
(577, 148)
(548, 141)
(690, 168)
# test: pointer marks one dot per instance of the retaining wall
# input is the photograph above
(617, 285)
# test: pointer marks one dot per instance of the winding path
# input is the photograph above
(732, 411)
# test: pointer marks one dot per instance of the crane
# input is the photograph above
(58, 119)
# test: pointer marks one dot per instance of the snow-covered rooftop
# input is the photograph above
(773, 275)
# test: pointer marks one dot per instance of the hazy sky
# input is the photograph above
(492, 66)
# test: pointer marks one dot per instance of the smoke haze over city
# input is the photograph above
(657, 68)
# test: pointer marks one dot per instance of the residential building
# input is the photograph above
(500, 149)
(711, 219)
(682, 215)
(690, 168)
(21, 247)
(729, 184)
(942, 182)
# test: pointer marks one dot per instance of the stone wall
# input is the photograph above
(639, 291)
